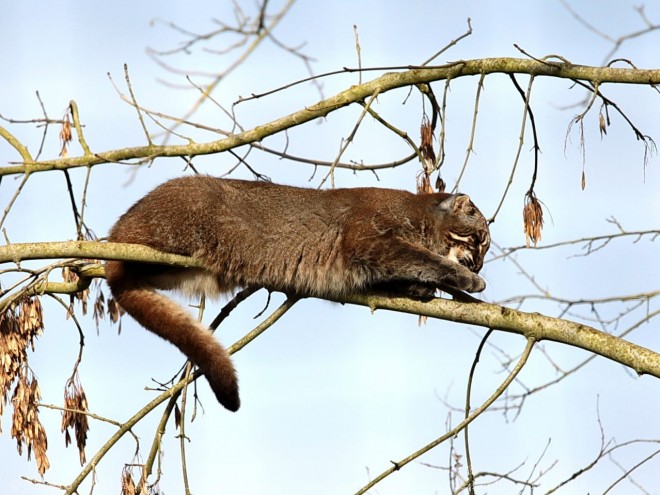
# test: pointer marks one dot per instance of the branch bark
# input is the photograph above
(530, 325)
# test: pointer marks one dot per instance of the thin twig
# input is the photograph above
(135, 104)
(468, 395)
(588, 241)
(450, 44)
(477, 412)
(521, 141)
(470, 147)
(346, 142)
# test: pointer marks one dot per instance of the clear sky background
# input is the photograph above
(332, 393)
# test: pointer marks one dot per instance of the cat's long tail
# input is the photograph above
(168, 320)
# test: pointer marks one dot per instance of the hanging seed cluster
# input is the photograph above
(65, 135)
(20, 324)
(26, 427)
(428, 157)
(532, 219)
(74, 416)
(128, 485)
(68, 275)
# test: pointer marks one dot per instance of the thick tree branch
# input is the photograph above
(408, 76)
(91, 250)
(530, 325)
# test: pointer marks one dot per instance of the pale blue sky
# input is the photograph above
(332, 393)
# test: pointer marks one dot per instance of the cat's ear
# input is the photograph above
(455, 203)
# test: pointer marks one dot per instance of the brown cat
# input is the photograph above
(299, 241)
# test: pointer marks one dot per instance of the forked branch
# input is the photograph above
(399, 77)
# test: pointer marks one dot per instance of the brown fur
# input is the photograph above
(302, 241)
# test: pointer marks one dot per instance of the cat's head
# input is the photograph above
(466, 233)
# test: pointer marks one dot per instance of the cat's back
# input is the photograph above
(185, 213)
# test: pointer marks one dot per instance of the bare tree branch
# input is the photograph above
(529, 325)
(409, 75)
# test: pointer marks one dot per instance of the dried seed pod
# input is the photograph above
(602, 124)
(127, 483)
(99, 308)
(114, 310)
(65, 134)
(426, 146)
(423, 184)
(75, 417)
(427, 158)
(440, 184)
(26, 427)
(532, 219)
(20, 324)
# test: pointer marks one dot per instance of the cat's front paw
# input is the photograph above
(463, 279)
(478, 283)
